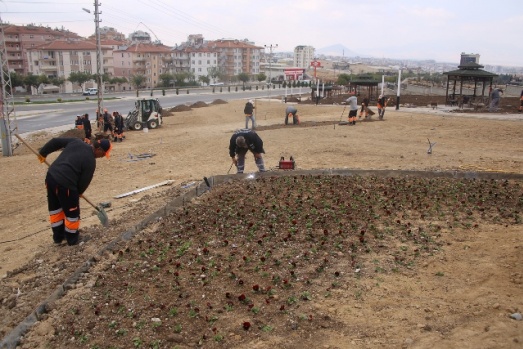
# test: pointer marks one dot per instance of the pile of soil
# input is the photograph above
(180, 108)
(219, 101)
(199, 104)
(73, 133)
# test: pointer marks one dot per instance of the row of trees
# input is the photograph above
(79, 78)
(167, 80)
(181, 79)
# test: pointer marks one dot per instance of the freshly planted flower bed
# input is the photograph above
(255, 257)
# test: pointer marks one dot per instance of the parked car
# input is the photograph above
(90, 92)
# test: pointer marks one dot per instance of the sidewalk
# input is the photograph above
(454, 111)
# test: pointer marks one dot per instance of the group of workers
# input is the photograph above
(111, 125)
(247, 139)
(365, 112)
(70, 174)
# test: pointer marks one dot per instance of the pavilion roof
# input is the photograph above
(471, 70)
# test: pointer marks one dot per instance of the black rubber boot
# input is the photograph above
(58, 237)
(72, 238)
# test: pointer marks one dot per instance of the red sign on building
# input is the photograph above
(293, 73)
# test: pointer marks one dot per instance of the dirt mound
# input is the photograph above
(167, 113)
(180, 108)
(73, 133)
(199, 104)
(219, 101)
(293, 99)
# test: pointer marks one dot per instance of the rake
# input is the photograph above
(341, 116)
(100, 212)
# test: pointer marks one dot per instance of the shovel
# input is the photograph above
(100, 212)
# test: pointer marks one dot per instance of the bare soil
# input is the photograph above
(288, 262)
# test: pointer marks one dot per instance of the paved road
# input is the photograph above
(30, 118)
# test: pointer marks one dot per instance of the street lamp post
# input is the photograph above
(399, 90)
(271, 46)
(99, 62)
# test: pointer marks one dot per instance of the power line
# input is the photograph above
(25, 12)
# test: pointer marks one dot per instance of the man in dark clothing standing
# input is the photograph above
(108, 125)
(87, 128)
(118, 126)
(67, 179)
(242, 141)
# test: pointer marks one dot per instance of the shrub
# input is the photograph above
(27, 100)
(59, 100)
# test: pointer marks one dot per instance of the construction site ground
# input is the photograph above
(461, 295)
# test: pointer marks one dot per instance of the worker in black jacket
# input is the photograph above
(67, 178)
(87, 128)
(242, 141)
(118, 126)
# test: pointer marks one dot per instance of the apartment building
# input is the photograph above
(235, 56)
(194, 56)
(18, 39)
(61, 57)
(303, 56)
(149, 60)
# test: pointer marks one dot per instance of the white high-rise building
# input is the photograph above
(303, 56)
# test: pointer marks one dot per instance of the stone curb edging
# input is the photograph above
(13, 338)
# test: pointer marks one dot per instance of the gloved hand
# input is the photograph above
(41, 158)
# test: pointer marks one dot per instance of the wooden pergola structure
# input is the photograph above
(468, 73)
(366, 85)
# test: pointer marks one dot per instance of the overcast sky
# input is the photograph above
(405, 29)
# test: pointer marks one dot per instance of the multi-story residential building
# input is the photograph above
(18, 39)
(61, 57)
(235, 57)
(303, 56)
(202, 60)
(148, 60)
(194, 56)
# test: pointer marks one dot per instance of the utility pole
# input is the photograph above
(99, 61)
(6, 100)
(271, 46)
(399, 90)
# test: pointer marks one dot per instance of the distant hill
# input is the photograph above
(336, 50)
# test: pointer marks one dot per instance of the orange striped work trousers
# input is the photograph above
(64, 211)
